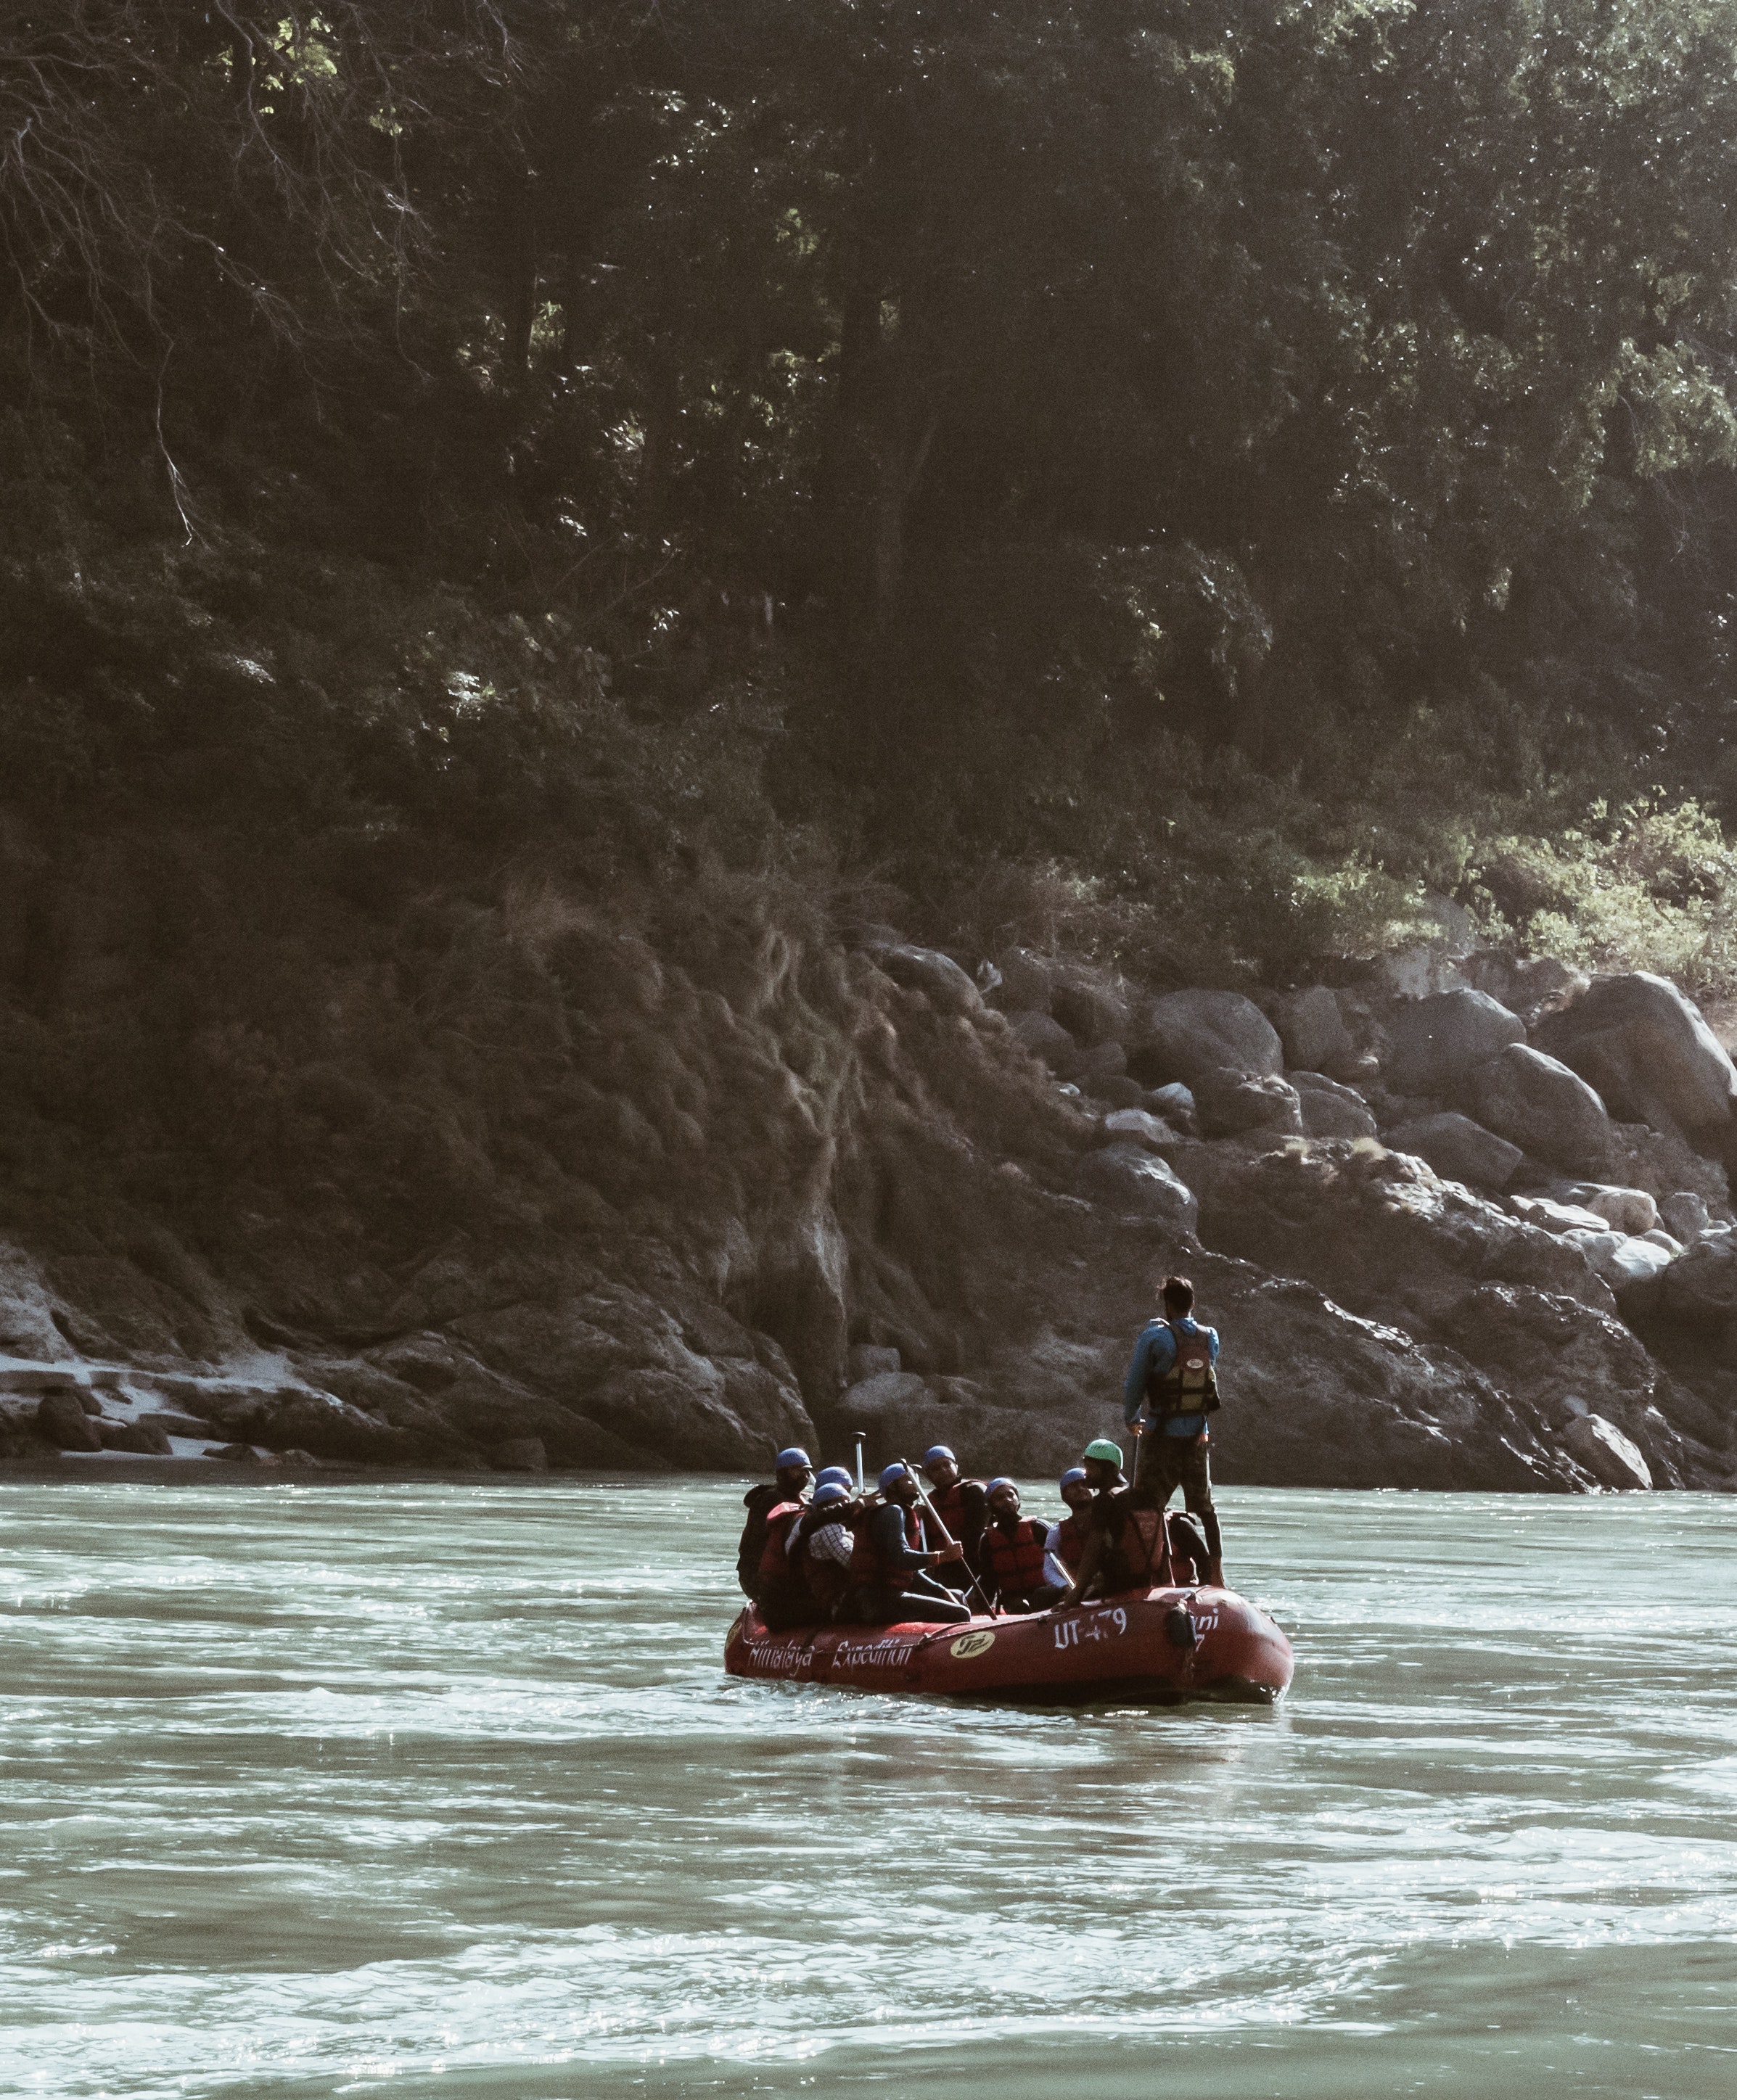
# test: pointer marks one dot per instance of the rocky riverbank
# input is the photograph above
(1464, 1222)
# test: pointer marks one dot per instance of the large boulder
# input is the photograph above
(1698, 1291)
(1312, 1030)
(938, 978)
(1229, 1103)
(1458, 1147)
(1539, 1105)
(1026, 981)
(1089, 1004)
(1623, 1210)
(1436, 1042)
(61, 1421)
(1329, 1109)
(1611, 1458)
(1647, 1051)
(1190, 1034)
(1128, 1177)
(1047, 1041)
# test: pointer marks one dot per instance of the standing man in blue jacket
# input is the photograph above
(1172, 1386)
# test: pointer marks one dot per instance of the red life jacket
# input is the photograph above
(1014, 1567)
(1143, 1554)
(866, 1563)
(826, 1580)
(774, 1570)
(1070, 1542)
(963, 1508)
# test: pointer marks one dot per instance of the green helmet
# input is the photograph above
(1101, 1447)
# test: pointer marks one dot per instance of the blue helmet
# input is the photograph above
(830, 1492)
(1073, 1474)
(1001, 1480)
(892, 1474)
(793, 1455)
(829, 1474)
(937, 1454)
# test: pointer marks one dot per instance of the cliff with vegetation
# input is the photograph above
(628, 639)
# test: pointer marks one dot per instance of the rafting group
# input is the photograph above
(931, 1547)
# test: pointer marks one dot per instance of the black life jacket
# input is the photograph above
(866, 1564)
(1190, 1385)
(758, 1501)
(1014, 1566)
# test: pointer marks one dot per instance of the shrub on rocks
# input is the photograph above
(1190, 1035)
(1459, 1148)
(1542, 1106)
(1437, 1042)
(1646, 1049)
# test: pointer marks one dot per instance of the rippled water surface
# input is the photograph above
(440, 1790)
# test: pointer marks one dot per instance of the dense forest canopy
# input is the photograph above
(1256, 459)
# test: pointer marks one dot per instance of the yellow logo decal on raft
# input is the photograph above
(970, 1644)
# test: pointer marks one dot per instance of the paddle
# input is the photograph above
(946, 1538)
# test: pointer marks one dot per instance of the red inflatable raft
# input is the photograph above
(1150, 1647)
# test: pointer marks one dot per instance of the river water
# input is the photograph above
(440, 1790)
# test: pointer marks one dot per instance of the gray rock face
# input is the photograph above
(1329, 1109)
(61, 1422)
(175, 1425)
(1611, 1458)
(520, 1454)
(1458, 1147)
(1130, 1178)
(866, 1362)
(1436, 1042)
(1190, 1034)
(1228, 1103)
(1538, 1104)
(1312, 1030)
(1527, 985)
(1647, 1051)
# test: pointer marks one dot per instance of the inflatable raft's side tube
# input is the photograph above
(1155, 1645)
